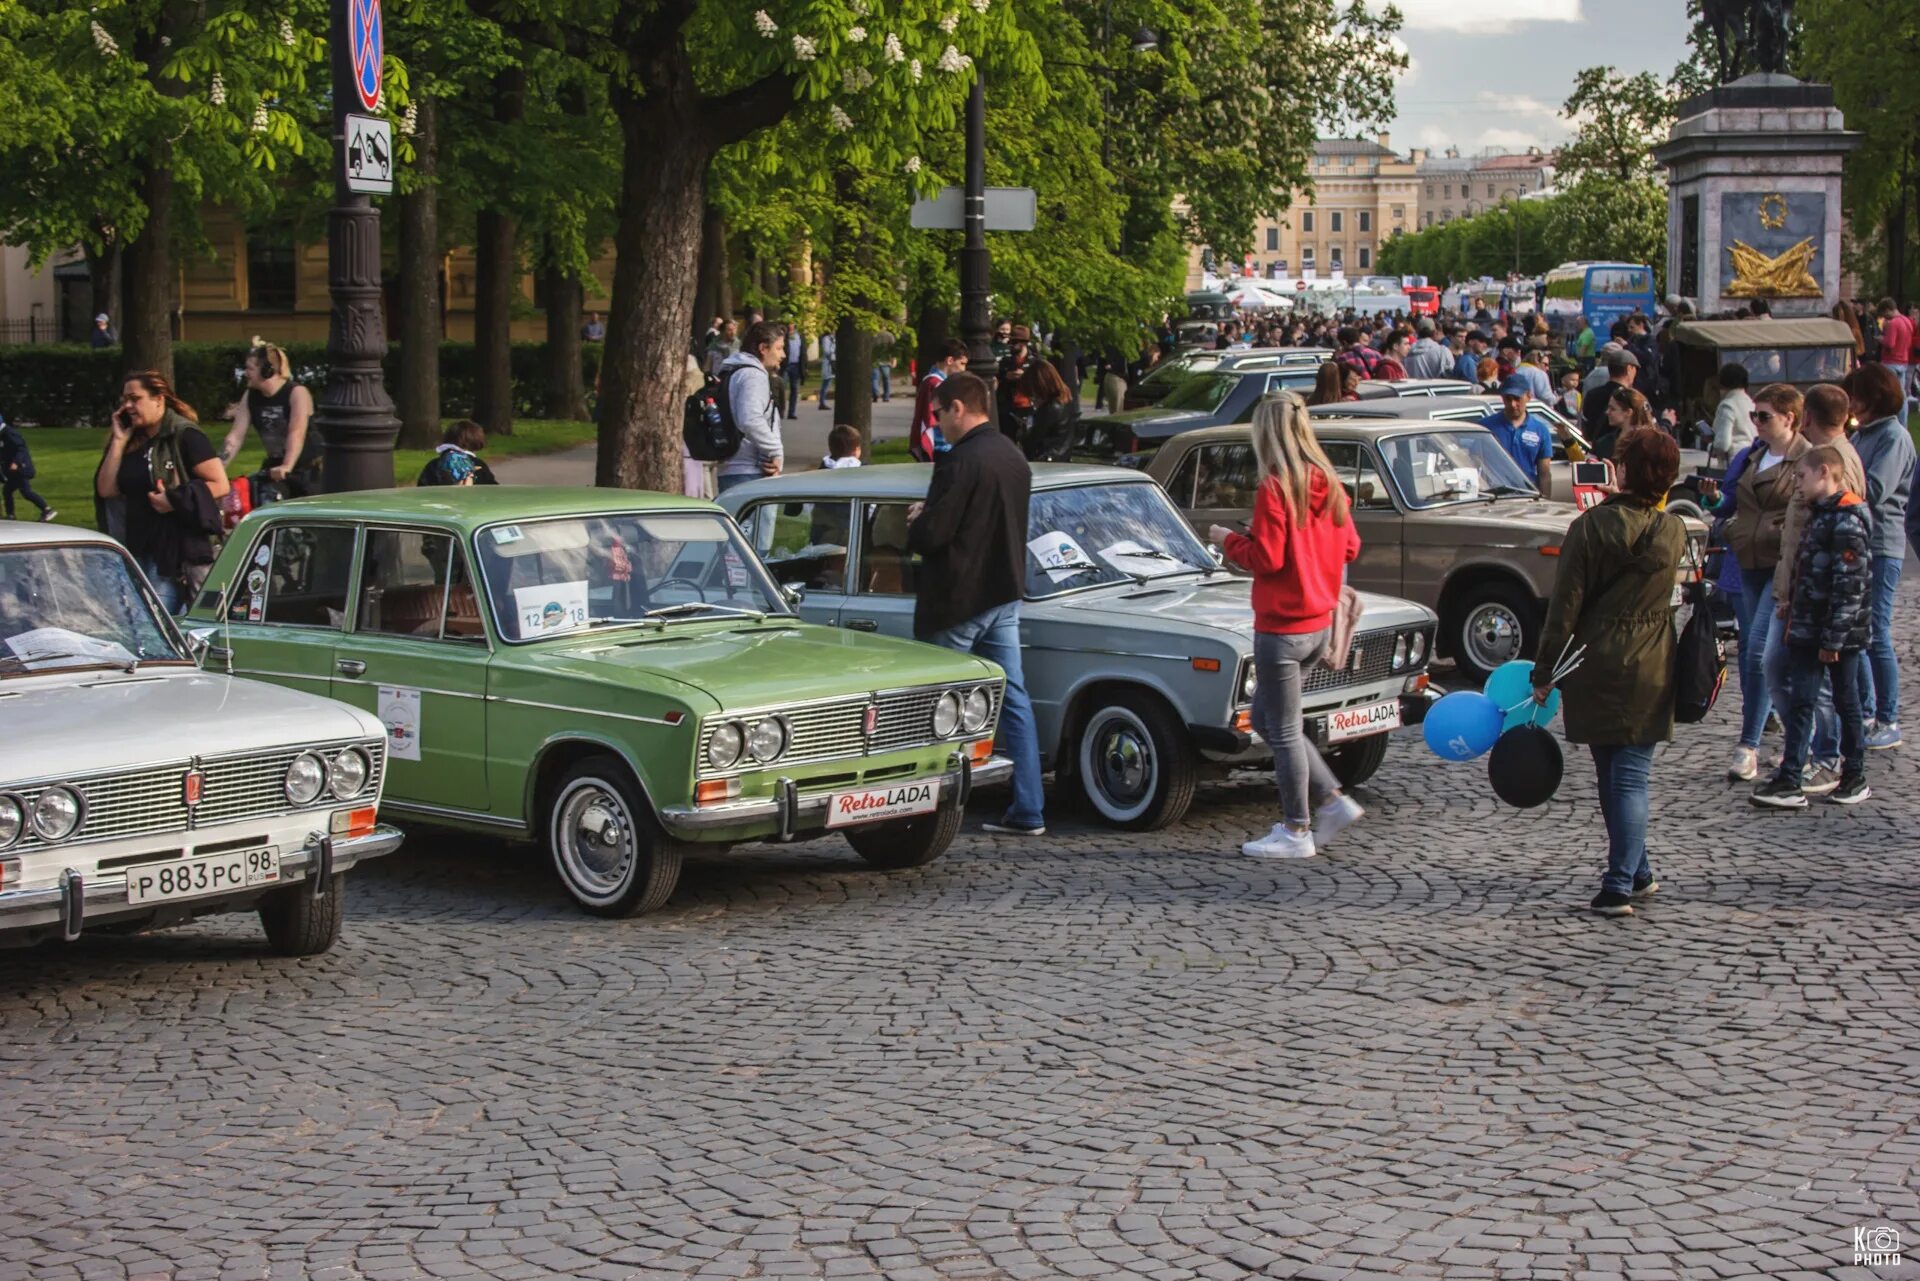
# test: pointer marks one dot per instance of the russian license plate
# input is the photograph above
(875, 804)
(197, 877)
(1358, 722)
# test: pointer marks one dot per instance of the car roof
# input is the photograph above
(26, 533)
(909, 480)
(470, 506)
(1406, 406)
(1389, 389)
(1340, 426)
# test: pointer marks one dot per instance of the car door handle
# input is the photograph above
(864, 624)
(350, 667)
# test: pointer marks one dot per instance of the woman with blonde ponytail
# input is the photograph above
(1298, 547)
(281, 410)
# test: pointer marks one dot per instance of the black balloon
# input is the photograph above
(1525, 766)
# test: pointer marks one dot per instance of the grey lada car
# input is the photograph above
(1137, 645)
(1445, 516)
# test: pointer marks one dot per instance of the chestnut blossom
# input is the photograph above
(763, 23)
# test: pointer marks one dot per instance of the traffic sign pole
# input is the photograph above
(355, 414)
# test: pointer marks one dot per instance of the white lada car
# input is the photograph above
(137, 790)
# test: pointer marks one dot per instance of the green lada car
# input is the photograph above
(612, 672)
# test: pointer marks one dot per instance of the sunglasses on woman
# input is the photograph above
(1762, 415)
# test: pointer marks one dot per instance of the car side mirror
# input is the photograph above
(1219, 558)
(793, 594)
(201, 648)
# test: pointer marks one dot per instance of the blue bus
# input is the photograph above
(1603, 292)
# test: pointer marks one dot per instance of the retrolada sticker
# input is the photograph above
(548, 608)
(1060, 556)
(399, 711)
(504, 534)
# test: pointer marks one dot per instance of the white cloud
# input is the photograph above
(1514, 139)
(1518, 104)
(1481, 16)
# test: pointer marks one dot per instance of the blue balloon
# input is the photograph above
(1463, 725)
(1512, 683)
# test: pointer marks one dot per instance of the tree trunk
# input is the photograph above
(566, 391)
(146, 280)
(714, 295)
(420, 283)
(658, 252)
(103, 283)
(496, 282)
(853, 380)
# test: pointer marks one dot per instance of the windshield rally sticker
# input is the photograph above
(546, 608)
(1060, 556)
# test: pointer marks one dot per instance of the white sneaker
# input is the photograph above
(1744, 766)
(1281, 842)
(1335, 817)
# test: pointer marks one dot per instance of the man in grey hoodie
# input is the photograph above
(1887, 456)
(1427, 358)
(748, 375)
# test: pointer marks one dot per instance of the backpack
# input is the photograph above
(706, 424)
(1699, 657)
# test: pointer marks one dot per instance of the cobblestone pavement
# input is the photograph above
(1096, 1055)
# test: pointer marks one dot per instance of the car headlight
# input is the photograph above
(13, 820)
(306, 778)
(350, 772)
(724, 748)
(1399, 652)
(767, 739)
(56, 813)
(946, 715)
(1246, 684)
(977, 710)
(1418, 650)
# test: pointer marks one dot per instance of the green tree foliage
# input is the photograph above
(1513, 236)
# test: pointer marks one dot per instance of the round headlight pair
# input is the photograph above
(1399, 652)
(946, 715)
(732, 741)
(306, 778)
(349, 773)
(976, 710)
(53, 816)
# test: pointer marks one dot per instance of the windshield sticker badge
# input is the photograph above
(1060, 556)
(550, 607)
(400, 713)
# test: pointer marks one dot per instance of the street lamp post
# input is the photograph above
(976, 264)
(355, 415)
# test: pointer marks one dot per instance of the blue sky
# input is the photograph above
(1494, 75)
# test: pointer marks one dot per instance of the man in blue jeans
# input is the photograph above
(1887, 455)
(971, 534)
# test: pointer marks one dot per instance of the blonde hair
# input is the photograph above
(272, 359)
(1285, 449)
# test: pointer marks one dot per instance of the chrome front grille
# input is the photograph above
(836, 730)
(1369, 660)
(152, 799)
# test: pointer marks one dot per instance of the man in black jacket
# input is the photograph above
(971, 533)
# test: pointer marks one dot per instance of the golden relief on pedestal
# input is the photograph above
(1757, 276)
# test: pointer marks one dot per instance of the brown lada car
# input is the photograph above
(1446, 518)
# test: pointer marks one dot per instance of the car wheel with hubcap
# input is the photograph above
(1356, 762)
(297, 923)
(906, 842)
(612, 856)
(1494, 624)
(1136, 767)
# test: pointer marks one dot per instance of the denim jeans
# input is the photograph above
(1622, 773)
(995, 636)
(1806, 677)
(1303, 778)
(826, 380)
(1754, 610)
(727, 480)
(1900, 372)
(1880, 678)
(882, 382)
(1824, 730)
(795, 375)
(173, 596)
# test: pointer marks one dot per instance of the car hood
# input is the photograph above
(55, 721)
(751, 665)
(1222, 603)
(1147, 424)
(1505, 520)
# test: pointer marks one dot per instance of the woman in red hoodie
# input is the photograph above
(1298, 548)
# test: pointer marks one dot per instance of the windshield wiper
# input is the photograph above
(90, 660)
(686, 608)
(1502, 491)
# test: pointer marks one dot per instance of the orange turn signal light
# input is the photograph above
(715, 790)
(980, 752)
(1549, 551)
(1243, 722)
(1206, 664)
(353, 822)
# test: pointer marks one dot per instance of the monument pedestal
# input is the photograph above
(1753, 196)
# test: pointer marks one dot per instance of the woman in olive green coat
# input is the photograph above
(1613, 593)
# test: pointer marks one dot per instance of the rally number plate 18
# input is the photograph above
(197, 877)
(876, 804)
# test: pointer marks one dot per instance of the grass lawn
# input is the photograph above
(67, 457)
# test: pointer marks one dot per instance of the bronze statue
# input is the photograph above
(1749, 35)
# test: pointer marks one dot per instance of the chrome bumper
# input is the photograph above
(78, 899)
(790, 812)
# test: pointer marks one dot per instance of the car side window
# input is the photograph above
(414, 583)
(1224, 478)
(298, 577)
(887, 567)
(1366, 491)
(1180, 487)
(803, 543)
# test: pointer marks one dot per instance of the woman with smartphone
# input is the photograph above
(165, 469)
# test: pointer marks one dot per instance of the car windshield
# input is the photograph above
(1204, 392)
(1095, 534)
(76, 606)
(549, 577)
(1439, 467)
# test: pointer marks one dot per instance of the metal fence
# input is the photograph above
(33, 330)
